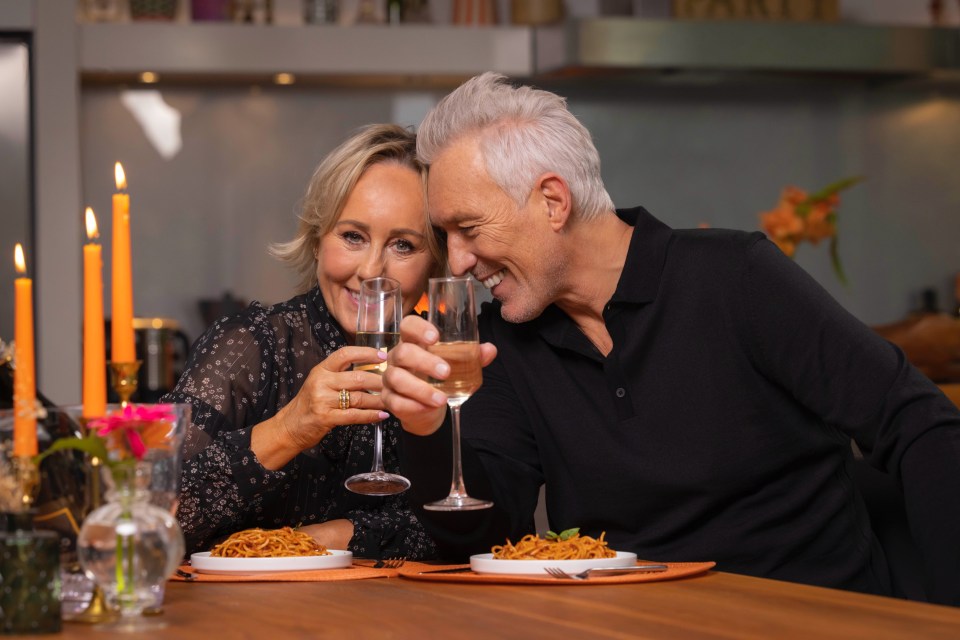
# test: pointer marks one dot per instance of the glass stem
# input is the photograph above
(457, 487)
(378, 448)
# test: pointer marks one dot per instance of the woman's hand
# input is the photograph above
(315, 410)
(406, 393)
(333, 534)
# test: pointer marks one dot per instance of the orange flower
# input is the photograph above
(819, 224)
(799, 216)
(782, 224)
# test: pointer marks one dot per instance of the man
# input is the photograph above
(691, 393)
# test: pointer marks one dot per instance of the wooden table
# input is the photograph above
(713, 605)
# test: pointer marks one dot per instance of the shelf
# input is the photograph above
(600, 49)
(213, 52)
(630, 45)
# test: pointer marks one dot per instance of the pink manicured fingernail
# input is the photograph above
(382, 355)
(442, 369)
(439, 399)
(383, 415)
(431, 335)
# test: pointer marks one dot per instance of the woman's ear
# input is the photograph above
(556, 196)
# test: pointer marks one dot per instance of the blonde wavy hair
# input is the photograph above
(331, 185)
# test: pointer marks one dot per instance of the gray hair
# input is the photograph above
(523, 133)
(330, 186)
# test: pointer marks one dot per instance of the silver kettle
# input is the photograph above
(163, 348)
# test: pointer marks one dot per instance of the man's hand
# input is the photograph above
(406, 393)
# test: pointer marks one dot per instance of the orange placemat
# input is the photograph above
(674, 571)
(360, 570)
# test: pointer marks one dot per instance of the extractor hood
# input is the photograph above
(634, 45)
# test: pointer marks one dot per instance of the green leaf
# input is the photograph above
(833, 188)
(91, 444)
(835, 260)
(569, 533)
(551, 535)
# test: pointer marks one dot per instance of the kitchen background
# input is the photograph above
(218, 174)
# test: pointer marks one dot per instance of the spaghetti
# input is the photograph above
(571, 547)
(275, 543)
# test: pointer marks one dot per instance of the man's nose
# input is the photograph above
(460, 259)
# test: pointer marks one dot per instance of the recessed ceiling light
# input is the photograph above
(284, 78)
(149, 77)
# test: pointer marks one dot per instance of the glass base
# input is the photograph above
(377, 484)
(458, 503)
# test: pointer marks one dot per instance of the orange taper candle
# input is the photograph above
(121, 322)
(24, 378)
(94, 349)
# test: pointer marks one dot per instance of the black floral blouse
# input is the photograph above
(241, 372)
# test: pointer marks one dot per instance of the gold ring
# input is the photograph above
(344, 399)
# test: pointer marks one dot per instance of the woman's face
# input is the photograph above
(379, 233)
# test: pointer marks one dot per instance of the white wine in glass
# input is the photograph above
(454, 312)
(378, 326)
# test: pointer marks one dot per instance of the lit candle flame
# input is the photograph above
(120, 177)
(92, 231)
(19, 260)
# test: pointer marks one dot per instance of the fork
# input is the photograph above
(560, 574)
(390, 563)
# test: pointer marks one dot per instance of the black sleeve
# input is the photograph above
(863, 385)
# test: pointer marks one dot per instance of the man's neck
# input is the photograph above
(597, 251)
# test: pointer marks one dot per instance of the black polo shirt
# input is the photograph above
(718, 427)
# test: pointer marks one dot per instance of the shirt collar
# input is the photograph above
(639, 280)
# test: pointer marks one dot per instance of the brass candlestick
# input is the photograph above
(97, 610)
(123, 379)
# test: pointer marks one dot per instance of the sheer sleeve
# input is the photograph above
(229, 383)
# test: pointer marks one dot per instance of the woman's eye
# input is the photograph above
(405, 246)
(352, 237)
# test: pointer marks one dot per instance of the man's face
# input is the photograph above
(512, 251)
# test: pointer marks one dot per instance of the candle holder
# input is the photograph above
(123, 379)
(97, 610)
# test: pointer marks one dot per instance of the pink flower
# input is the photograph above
(140, 427)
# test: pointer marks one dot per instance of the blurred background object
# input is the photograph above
(210, 10)
(100, 10)
(930, 338)
(153, 9)
(320, 11)
(536, 12)
(474, 12)
(163, 348)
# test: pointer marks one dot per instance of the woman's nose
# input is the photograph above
(371, 267)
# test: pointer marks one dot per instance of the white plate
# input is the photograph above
(484, 563)
(203, 562)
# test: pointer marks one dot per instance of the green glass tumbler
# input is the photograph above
(29, 577)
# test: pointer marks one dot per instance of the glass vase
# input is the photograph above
(130, 546)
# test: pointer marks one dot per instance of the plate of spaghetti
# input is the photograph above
(567, 550)
(269, 551)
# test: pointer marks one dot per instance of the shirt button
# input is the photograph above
(621, 392)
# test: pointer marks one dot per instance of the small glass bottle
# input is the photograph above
(30, 566)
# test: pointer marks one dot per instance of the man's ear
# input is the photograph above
(556, 196)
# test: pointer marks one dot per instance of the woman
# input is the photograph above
(270, 444)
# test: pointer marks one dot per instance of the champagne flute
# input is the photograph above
(454, 313)
(378, 326)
